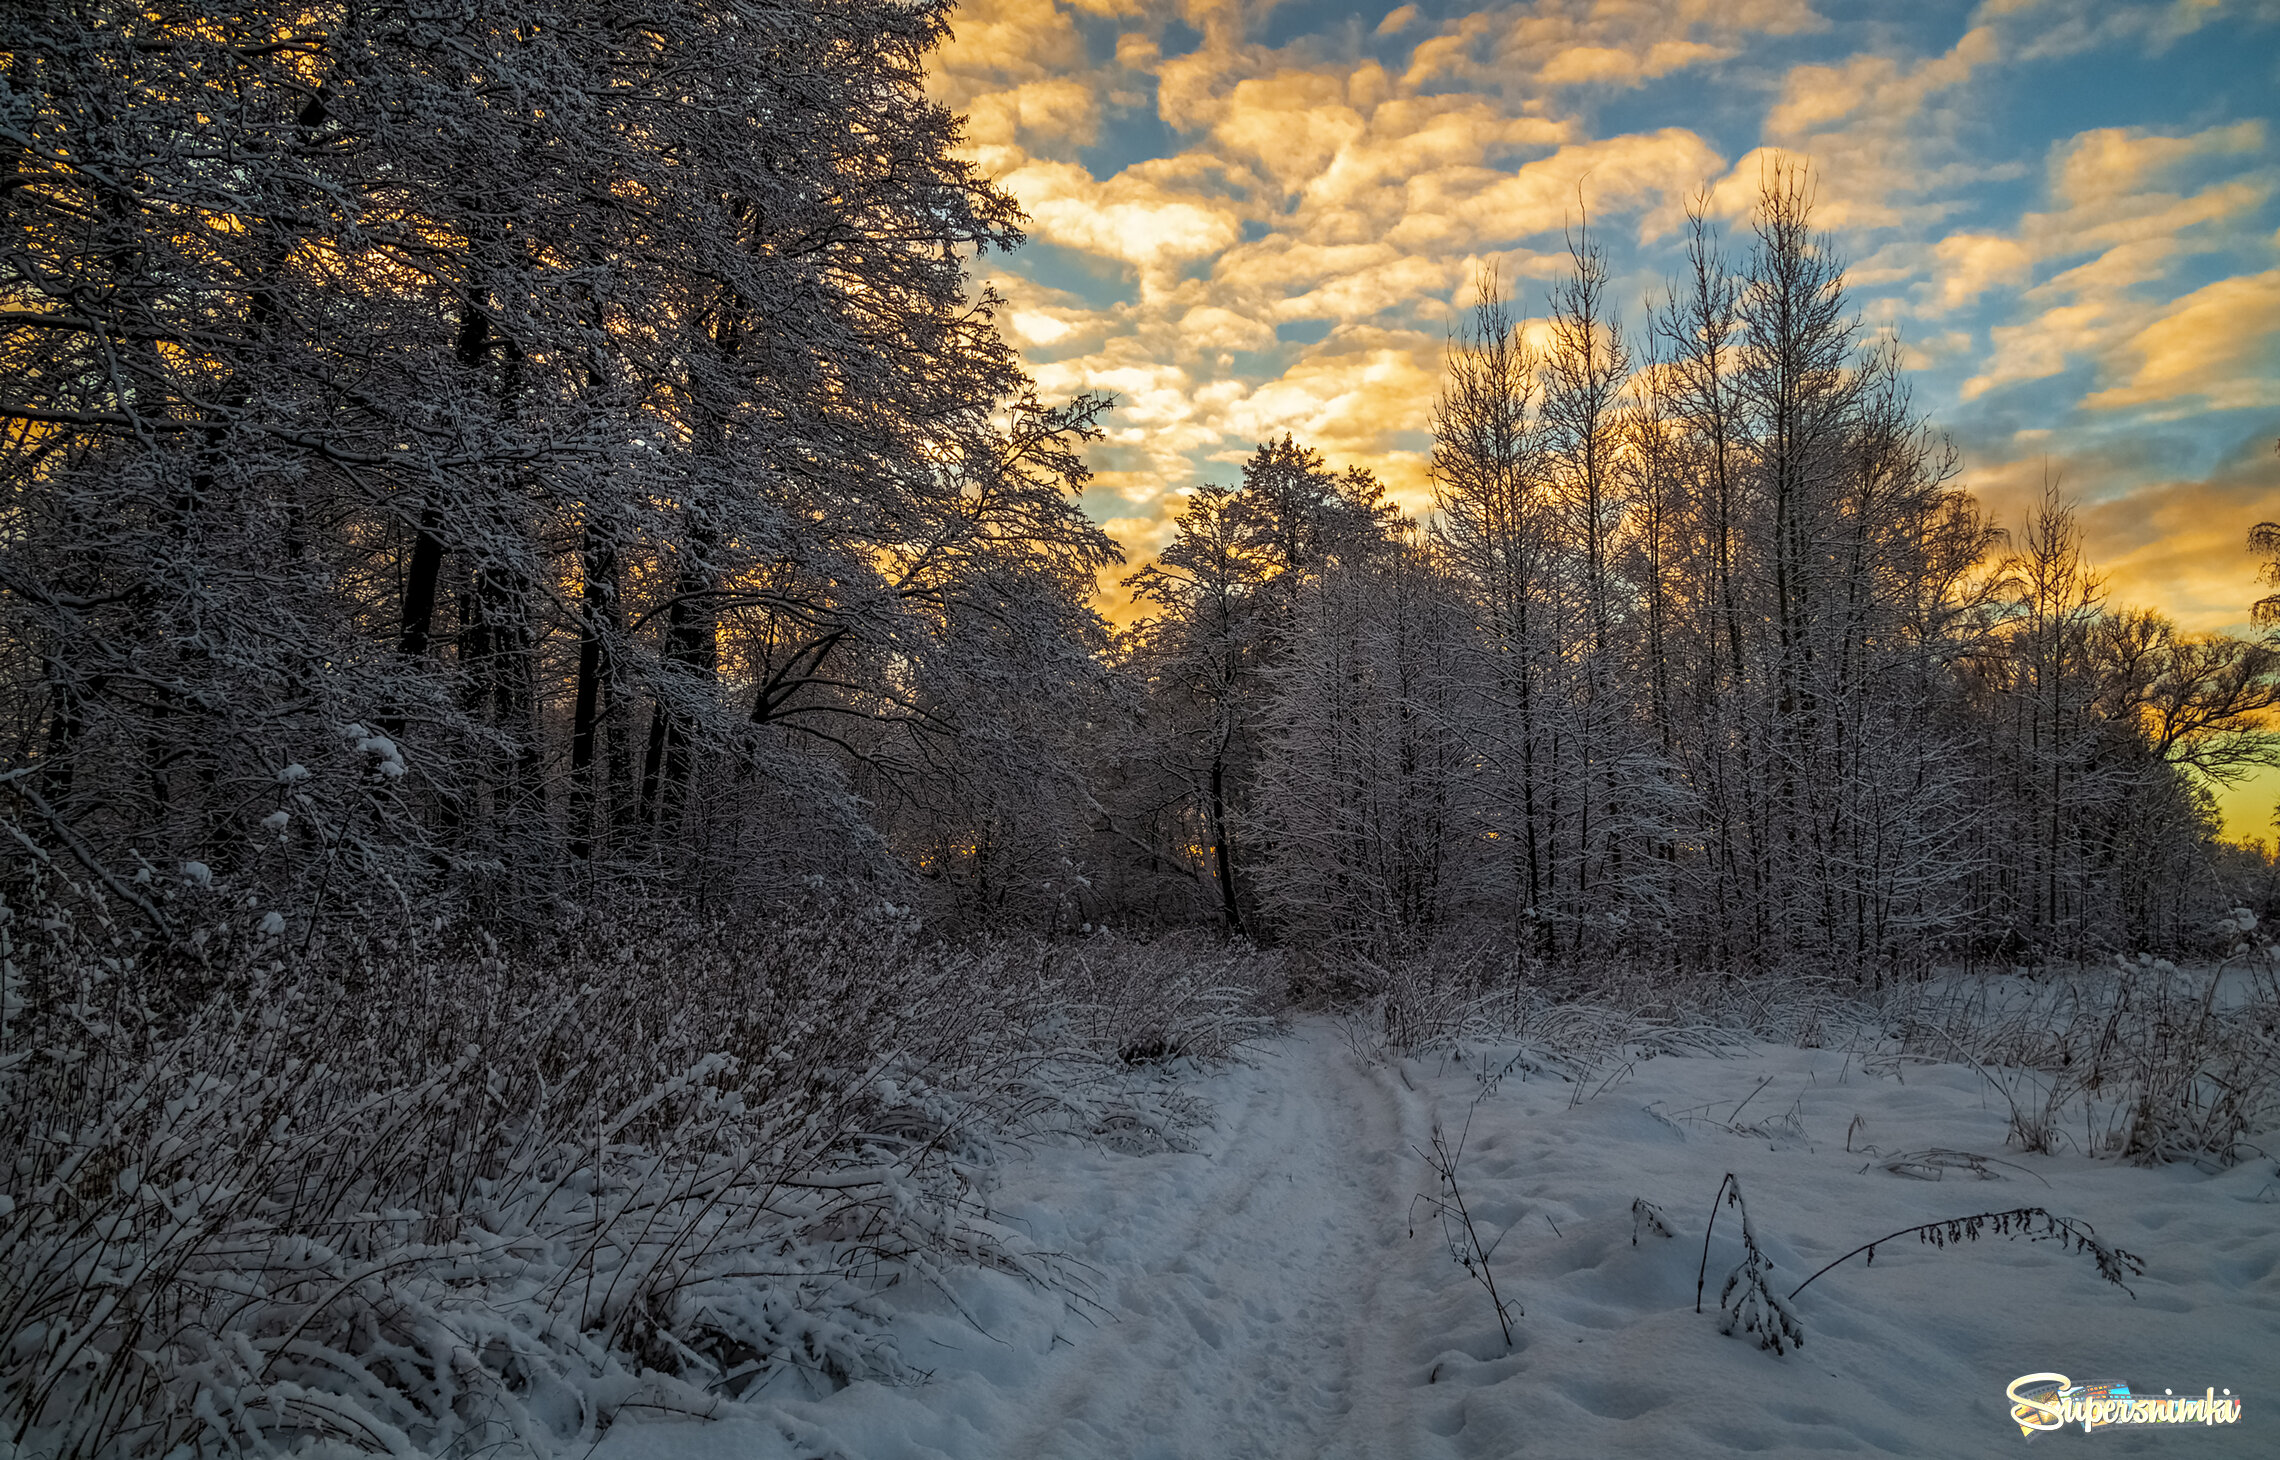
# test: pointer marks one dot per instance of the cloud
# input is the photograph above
(2113, 191)
(2047, 29)
(1036, 113)
(1291, 123)
(1043, 318)
(1402, 282)
(1969, 264)
(2111, 167)
(1582, 65)
(1209, 327)
(1290, 256)
(1340, 397)
(2178, 543)
(1874, 87)
(1412, 152)
(2181, 544)
(1880, 131)
(1647, 174)
(1291, 280)
(996, 41)
(1142, 216)
(2219, 345)
(1569, 43)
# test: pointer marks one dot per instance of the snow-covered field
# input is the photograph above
(1281, 1291)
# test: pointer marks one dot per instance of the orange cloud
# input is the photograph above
(1143, 215)
(1970, 264)
(2219, 345)
(1559, 43)
(1308, 184)
(2178, 544)
(2112, 187)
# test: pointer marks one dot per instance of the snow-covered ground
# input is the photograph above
(1279, 1291)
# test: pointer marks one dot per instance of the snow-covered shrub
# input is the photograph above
(1580, 1021)
(2203, 1076)
(1175, 996)
(2141, 1058)
(1458, 1230)
(444, 1196)
(1748, 1300)
(1752, 1305)
(1426, 999)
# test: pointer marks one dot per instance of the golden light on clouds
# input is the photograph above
(1257, 218)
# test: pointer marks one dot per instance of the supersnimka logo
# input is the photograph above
(2053, 1401)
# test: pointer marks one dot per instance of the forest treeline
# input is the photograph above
(473, 467)
(1702, 656)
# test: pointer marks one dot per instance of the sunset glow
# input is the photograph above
(719, 724)
(1253, 219)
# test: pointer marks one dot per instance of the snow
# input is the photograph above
(1281, 1291)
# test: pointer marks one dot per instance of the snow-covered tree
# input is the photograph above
(521, 448)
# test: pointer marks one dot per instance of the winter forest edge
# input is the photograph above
(560, 740)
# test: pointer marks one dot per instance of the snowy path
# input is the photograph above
(1265, 1298)
(1258, 1322)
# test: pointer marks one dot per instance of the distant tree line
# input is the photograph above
(1702, 656)
(474, 465)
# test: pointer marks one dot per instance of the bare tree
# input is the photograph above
(1496, 528)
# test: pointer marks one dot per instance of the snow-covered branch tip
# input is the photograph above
(1749, 1303)
(2033, 1223)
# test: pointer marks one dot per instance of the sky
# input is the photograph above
(1255, 218)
